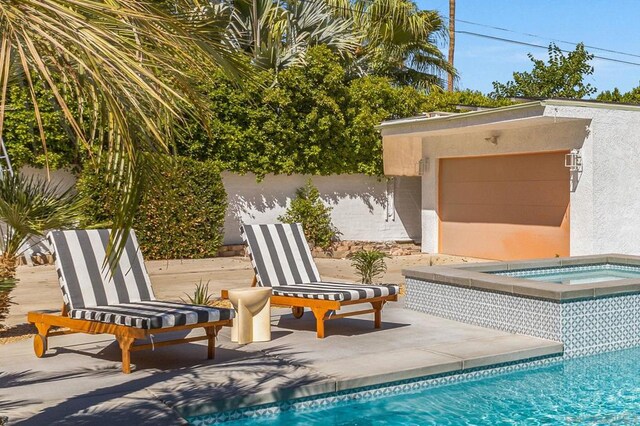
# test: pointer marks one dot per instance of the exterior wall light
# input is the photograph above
(573, 160)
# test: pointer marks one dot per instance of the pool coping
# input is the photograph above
(475, 276)
(310, 401)
(334, 384)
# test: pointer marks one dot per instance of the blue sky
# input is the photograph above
(597, 23)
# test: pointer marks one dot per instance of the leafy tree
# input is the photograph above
(630, 97)
(314, 120)
(21, 133)
(560, 77)
(440, 100)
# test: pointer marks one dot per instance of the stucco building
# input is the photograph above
(537, 179)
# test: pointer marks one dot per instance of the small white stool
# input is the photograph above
(253, 322)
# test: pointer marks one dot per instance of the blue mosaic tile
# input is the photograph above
(585, 327)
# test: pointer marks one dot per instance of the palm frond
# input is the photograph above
(130, 63)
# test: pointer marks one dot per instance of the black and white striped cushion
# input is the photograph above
(280, 254)
(335, 291)
(152, 314)
(86, 282)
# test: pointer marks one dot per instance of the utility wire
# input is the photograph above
(524, 43)
(343, 9)
(618, 52)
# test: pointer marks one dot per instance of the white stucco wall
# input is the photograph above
(605, 208)
(364, 208)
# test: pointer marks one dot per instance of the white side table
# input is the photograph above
(253, 320)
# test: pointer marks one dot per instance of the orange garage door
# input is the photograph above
(505, 207)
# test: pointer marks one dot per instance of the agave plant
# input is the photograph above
(29, 207)
(122, 73)
(369, 264)
(201, 295)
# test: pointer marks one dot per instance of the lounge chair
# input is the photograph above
(282, 260)
(122, 303)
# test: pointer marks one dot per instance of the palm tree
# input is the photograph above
(452, 41)
(399, 41)
(28, 208)
(121, 72)
(278, 34)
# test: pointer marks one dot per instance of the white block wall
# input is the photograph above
(364, 208)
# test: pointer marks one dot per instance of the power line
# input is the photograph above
(507, 40)
(618, 52)
(524, 43)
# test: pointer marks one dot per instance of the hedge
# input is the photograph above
(181, 215)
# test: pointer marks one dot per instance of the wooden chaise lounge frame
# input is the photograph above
(323, 310)
(125, 335)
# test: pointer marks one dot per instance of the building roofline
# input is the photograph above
(507, 109)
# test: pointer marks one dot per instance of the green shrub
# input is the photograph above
(369, 264)
(181, 214)
(308, 209)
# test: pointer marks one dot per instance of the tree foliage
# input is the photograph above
(440, 100)
(314, 120)
(630, 97)
(560, 77)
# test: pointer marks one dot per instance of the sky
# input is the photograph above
(606, 24)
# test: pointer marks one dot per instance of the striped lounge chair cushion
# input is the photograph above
(125, 297)
(85, 281)
(152, 314)
(335, 291)
(281, 259)
(280, 254)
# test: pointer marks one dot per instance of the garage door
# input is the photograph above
(505, 207)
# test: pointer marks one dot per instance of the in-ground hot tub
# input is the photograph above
(589, 303)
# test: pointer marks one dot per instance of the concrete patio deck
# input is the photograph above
(80, 382)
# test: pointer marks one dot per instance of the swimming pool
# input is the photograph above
(600, 389)
(583, 274)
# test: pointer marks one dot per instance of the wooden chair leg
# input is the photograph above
(40, 340)
(378, 313)
(319, 313)
(125, 343)
(211, 341)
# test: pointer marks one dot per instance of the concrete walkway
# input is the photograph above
(79, 381)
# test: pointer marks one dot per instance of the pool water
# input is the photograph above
(577, 274)
(598, 390)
